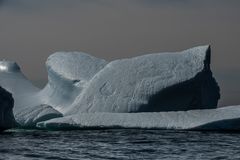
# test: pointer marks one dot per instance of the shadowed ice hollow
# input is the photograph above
(6, 114)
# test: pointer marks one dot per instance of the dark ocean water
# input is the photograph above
(118, 144)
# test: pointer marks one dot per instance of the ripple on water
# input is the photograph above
(118, 144)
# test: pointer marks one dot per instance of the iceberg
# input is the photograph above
(7, 120)
(176, 81)
(81, 86)
(226, 118)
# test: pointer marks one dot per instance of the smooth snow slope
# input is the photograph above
(6, 114)
(227, 118)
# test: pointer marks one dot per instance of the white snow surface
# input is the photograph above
(226, 118)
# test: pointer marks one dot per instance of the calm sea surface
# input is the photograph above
(118, 144)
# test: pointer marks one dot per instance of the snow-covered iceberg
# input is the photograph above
(152, 83)
(79, 83)
(6, 114)
(226, 118)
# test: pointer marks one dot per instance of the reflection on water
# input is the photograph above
(118, 144)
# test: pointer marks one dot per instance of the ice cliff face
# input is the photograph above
(6, 114)
(79, 83)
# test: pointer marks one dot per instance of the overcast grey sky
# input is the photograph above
(31, 30)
